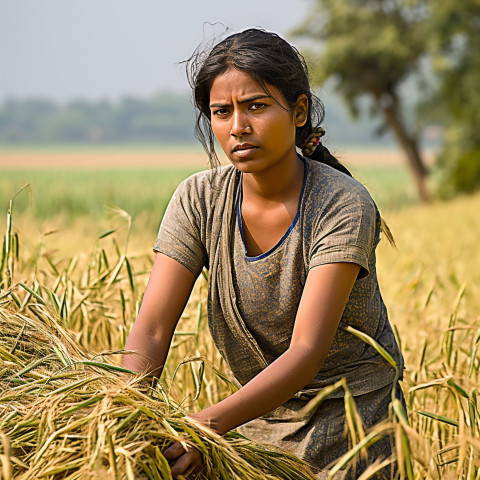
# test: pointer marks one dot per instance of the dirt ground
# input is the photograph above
(78, 159)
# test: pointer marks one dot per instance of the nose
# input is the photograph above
(240, 124)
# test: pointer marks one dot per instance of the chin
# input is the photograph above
(246, 166)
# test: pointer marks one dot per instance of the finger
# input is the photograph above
(174, 451)
(197, 464)
(189, 460)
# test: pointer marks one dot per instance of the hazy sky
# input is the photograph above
(64, 49)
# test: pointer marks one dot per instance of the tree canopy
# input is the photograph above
(370, 47)
(454, 33)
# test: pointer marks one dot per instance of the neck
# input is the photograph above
(277, 183)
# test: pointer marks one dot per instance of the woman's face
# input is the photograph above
(255, 129)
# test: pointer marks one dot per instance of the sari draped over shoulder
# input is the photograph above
(229, 332)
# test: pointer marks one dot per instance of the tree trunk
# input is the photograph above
(391, 112)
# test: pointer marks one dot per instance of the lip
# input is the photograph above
(244, 149)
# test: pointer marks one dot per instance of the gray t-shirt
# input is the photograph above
(336, 221)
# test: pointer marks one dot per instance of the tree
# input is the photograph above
(369, 48)
(454, 45)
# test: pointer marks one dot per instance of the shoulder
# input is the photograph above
(205, 185)
(341, 220)
(201, 189)
(335, 191)
(332, 183)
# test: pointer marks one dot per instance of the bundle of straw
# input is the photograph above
(66, 413)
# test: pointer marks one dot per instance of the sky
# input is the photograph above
(104, 49)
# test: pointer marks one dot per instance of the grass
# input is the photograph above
(71, 193)
(432, 289)
(92, 287)
(390, 186)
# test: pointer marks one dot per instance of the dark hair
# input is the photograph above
(269, 59)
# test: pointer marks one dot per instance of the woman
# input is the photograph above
(289, 242)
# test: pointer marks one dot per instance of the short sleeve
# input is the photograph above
(179, 236)
(346, 232)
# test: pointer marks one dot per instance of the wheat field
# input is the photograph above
(87, 281)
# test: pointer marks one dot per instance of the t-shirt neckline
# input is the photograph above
(290, 228)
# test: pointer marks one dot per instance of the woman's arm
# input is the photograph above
(323, 300)
(166, 295)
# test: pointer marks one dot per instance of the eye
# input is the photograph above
(220, 112)
(257, 106)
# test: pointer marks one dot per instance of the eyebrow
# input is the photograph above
(246, 100)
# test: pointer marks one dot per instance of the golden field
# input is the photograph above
(92, 280)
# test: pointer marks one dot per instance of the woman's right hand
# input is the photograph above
(185, 460)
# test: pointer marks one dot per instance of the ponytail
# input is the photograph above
(322, 154)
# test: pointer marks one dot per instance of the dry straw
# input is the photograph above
(66, 412)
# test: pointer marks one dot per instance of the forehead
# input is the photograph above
(238, 85)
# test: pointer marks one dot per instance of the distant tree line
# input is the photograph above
(163, 118)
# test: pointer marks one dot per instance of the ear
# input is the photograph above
(301, 110)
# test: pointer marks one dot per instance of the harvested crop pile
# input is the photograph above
(68, 414)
